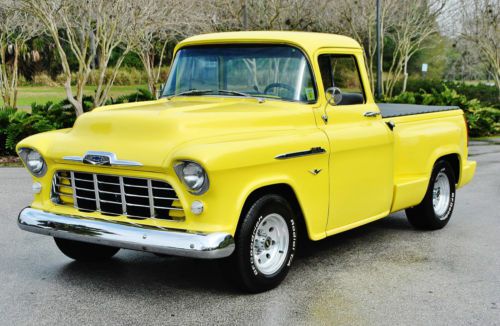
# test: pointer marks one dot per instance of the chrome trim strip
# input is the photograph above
(151, 199)
(312, 151)
(75, 201)
(96, 192)
(113, 160)
(63, 194)
(129, 236)
(122, 193)
(73, 158)
(109, 183)
(110, 202)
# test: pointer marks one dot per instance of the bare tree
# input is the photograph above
(70, 22)
(416, 22)
(112, 29)
(16, 28)
(266, 15)
(84, 30)
(358, 20)
(158, 22)
(480, 22)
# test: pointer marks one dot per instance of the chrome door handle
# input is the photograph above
(371, 114)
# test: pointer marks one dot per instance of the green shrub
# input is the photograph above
(482, 120)
(407, 98)
(488, 95)
(42, 79)
(5, 115)
(141, 95)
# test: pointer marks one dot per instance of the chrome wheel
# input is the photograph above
(441, 194)
(270, 245)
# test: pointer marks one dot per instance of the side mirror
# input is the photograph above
(333, 95)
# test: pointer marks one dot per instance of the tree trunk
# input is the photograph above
(15, 72)
(405, 74)
(148, 67)
(69, 94)
(4, 82)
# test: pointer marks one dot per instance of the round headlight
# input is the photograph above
(34, 161)
(193, 176)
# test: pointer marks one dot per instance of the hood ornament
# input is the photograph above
(101, 159)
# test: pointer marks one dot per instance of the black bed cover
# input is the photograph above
(389, 110)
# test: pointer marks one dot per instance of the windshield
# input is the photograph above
(270, 71)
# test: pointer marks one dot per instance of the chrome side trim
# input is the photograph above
(112, 159)
(128, 236)
(312, 151)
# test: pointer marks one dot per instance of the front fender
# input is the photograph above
(237, 167)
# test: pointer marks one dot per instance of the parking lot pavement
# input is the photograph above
(380, 274)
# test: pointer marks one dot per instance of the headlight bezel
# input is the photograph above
(25, 153)
(181, 166)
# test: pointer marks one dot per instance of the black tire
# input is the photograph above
(424, 216)
(249, 277)
(82, 251)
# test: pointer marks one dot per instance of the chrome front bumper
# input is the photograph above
(128, 236)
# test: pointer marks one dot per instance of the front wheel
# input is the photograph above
(434, 212)
(265, 244)
(82, 251)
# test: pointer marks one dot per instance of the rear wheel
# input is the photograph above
(83, 251)
(434, 212)
(265, 244)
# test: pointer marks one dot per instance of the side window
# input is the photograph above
(342, 71)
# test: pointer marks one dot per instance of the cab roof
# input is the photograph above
(309, 42)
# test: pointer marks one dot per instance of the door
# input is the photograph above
(361, 147)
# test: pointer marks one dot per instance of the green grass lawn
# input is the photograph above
(43, 94)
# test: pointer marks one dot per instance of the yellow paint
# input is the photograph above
(367, 171)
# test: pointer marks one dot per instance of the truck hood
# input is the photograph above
(148, 132)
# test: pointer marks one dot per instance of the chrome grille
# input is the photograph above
(116, 195)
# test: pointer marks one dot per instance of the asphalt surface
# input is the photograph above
(384, 273)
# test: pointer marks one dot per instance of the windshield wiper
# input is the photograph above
(225, 91)
(190, 92)
(208, 91)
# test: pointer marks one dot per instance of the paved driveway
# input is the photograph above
(381, 274)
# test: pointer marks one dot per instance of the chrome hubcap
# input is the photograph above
(270, 245)
(441, 194)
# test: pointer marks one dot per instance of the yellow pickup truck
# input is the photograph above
(257, 137)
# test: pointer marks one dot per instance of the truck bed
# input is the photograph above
(389, 110)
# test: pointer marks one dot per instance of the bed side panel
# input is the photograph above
(418, 143)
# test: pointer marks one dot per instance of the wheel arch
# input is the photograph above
(286, 191)
(454, 160)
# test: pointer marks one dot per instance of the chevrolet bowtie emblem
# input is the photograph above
(101, 158)
(97, 159)
(315, 171)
